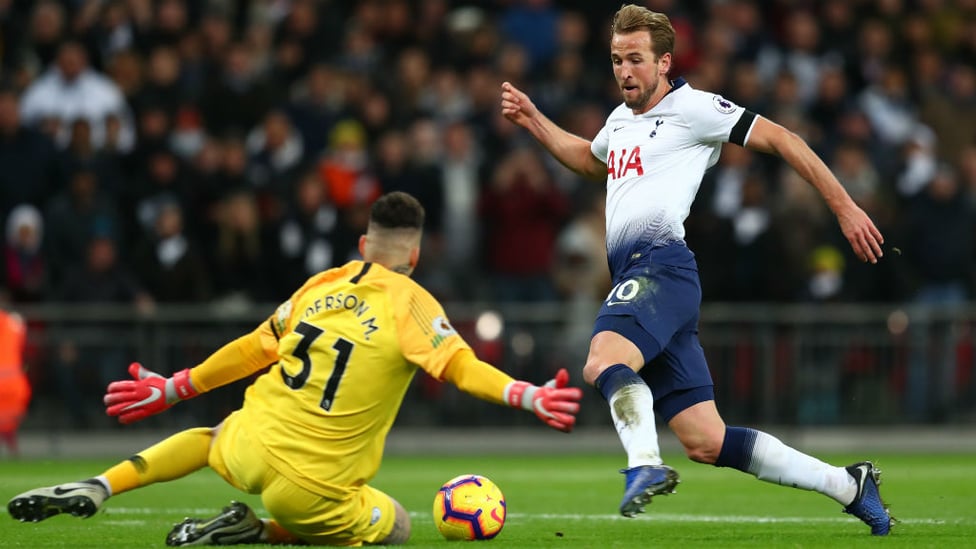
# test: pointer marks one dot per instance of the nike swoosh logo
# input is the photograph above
(618, 128)
(612, 303)
(860, 480)
(154, 395)
(494, 515)
(59, 491)
(541, 410)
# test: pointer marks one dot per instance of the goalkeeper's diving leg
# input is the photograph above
(172, 458)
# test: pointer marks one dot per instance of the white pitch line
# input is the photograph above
(651, 517)
(737, 519)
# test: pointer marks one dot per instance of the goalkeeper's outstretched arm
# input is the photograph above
(555, 403)
(149, 393)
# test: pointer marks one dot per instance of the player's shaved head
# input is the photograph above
(397, 210)
(396, 222)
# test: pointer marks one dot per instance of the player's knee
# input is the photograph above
(401, 527)
(704, 450)
(591, 371)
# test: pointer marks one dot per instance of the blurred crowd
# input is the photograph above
(173, 151)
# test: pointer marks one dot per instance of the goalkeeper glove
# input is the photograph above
(554, 403)
(147, 394)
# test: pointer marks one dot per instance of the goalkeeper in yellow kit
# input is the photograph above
(310, 434)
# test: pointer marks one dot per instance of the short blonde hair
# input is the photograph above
(631, 18)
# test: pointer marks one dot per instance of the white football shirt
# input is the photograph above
(656, 161)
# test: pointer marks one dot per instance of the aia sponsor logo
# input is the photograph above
(624, 163)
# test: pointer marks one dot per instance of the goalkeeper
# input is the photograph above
(310, 434)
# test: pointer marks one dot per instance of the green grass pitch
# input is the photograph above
(558, 501)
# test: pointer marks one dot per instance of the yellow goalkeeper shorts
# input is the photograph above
(365, 515)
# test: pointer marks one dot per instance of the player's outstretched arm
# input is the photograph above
(147, 394)
(555, 403)
(864, 237)
(571, 150)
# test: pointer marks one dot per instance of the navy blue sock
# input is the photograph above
(613, 378)
(737, 448)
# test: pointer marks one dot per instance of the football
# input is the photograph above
(469, 507)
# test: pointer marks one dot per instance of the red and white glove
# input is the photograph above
(554, 403)
(147, 394)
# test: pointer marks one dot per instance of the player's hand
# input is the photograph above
(555, 403)
(864, 237)
(516, 105)
(148, 393)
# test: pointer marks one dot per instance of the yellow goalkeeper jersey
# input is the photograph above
(348, 343)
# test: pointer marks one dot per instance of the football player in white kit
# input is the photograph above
(652, 154)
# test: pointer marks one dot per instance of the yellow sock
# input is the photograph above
(172, 458)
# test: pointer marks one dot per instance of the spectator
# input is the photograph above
(275, 153)
(103, 279)
(70, 90)
(25, 277)
(316, 108)
(942, 276)
(86, 366)
(82, 154)
(154, 130)
(888, 106)
(214, 170)
(29, 170)
(302, 37)
(48, 25)
(426, 174)
(446, 100)
(170, 21)
(312, 236)
(723, 185)
(580, 272)
(533, 25)
(163, 86)
(942, 267)
(239, 253)
(345, 167)
(967, 172)
(746, 83)
(832, 99)
(13, 28)
(799, 56)
(127, 70)
(109, 29)
(72, 218)
(756, 242)
(232, 172)
(161, 180)
(855, 172)
(825, 282)
(838, 32)
(169, 262)
(875, 47)
(238, 97)
(919, 162)
(413, 82)
(188, 135)
(464, 166)
(520, 235)
(951, 112)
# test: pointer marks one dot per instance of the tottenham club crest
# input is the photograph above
(657, 124)
(722, 104)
